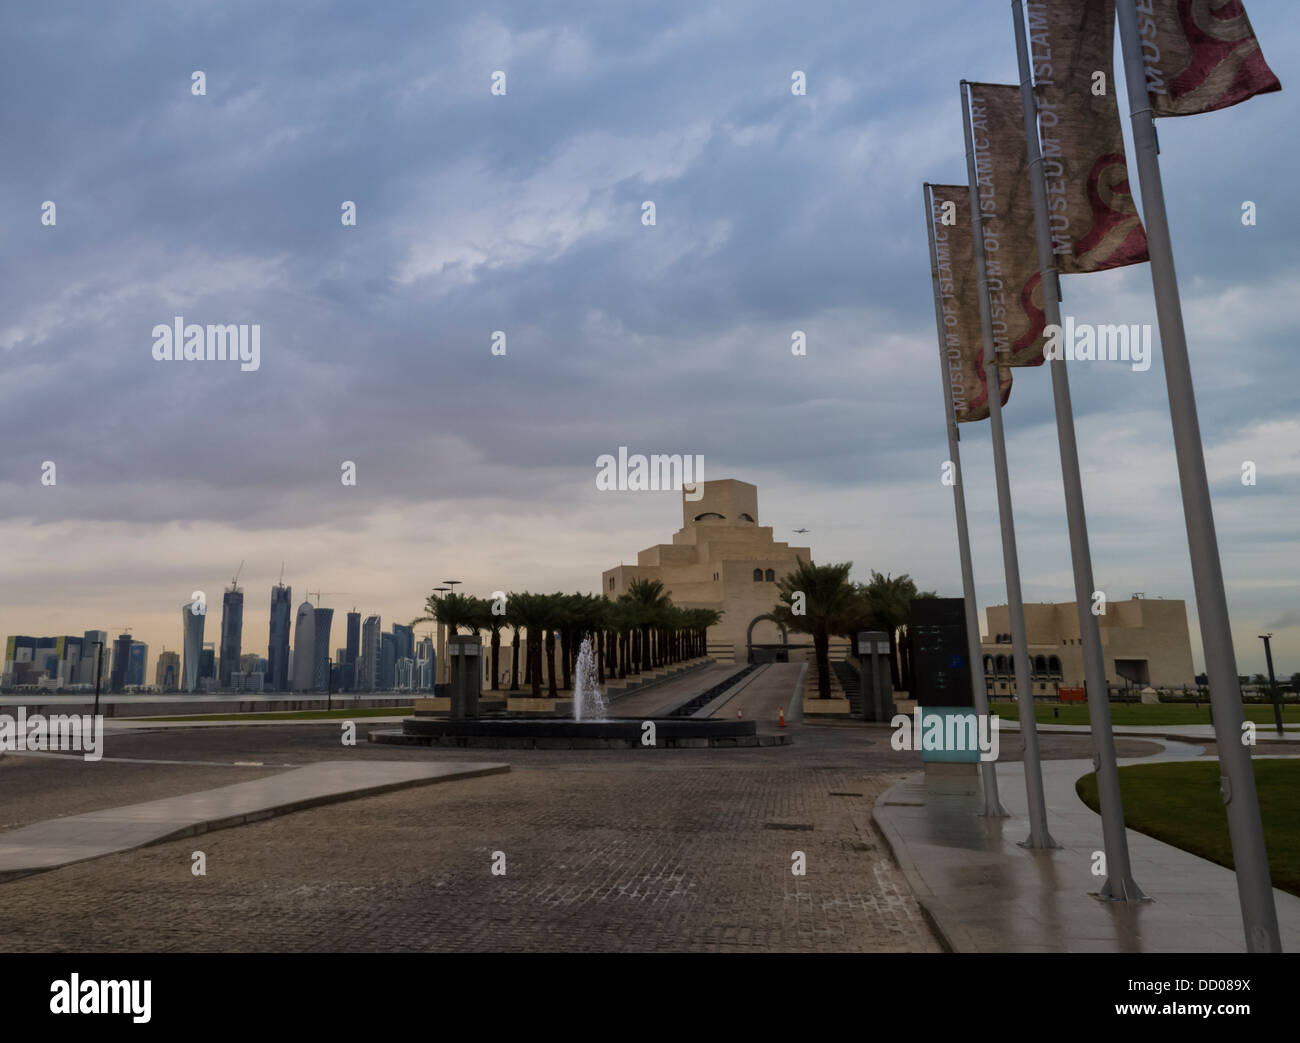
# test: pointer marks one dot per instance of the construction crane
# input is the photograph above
(318, 594)
(234, 583)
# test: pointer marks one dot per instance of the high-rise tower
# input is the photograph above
(277, 652)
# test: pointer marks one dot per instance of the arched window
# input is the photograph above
(1000, 664)
(1054, 664)
(745, 517)
(1040, 664)
(709, 516)
(770, 576)
(758, 575)
(988, 664)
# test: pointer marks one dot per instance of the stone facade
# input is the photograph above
(722, 559)
(1145, 642)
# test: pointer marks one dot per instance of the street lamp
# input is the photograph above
(1272, 683)
(99, 669)
(439, 677)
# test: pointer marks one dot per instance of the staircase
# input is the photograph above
(846, 673)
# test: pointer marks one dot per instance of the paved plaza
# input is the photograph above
(685, 850)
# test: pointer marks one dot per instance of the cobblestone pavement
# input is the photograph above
(688, 850)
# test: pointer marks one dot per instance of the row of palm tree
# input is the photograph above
(819, 600)
(639, 631)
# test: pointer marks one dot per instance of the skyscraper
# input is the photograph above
(193, 615)
(320, 670)
(232, 628)
(208, 665)
(387, 663)
(352, 651)
(121, 660)
(304, 647)
(277, 652)
(168, 677)
(368, 677)
(137, 659)
(403, 642)
(91, 642)
(425, 663)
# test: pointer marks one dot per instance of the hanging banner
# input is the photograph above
(1007, 217)
(958, 289)
(1094, 219)
(1200, 55)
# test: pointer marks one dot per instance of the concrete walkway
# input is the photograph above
(77, 838)
(985, 893)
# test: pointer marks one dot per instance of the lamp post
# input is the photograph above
(449, 585)
(1272, 683)
(99, 669)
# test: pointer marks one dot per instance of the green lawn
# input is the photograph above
(1180, 804)
(1142, 713)
(295, 715)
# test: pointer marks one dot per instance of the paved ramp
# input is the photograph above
(647, 703)
(772, 689)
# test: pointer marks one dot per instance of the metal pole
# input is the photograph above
(1119, 885)
(99, 669)
(1237, 780)
(1039, 837)
(1272, 683)
(991, 804)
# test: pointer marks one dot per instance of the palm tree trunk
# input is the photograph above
(566, 642)
(550, 664)
(600, 656)
(496, 659)
(535, 661)
(514, 661)
(821, 645)
(893, 659)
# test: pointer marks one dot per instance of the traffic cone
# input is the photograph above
(781, 711)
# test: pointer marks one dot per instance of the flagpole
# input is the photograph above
(990, 804)
(1039, 837)
(1237, 779)
(1119, 885)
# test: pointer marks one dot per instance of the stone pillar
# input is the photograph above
(464, 652)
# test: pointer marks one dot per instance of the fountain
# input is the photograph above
(588, 703)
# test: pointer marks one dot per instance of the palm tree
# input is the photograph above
(452, 610)
(890, 601)
(699, 620)
(493, 622)
(649, 595)
(557, 609)
(531, 611)
(825, 595)
(514, 649)
(622, 618)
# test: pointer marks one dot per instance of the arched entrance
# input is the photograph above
(767, 651)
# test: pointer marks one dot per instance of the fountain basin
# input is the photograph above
(566, 734)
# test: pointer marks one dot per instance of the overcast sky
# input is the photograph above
(522, 213)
